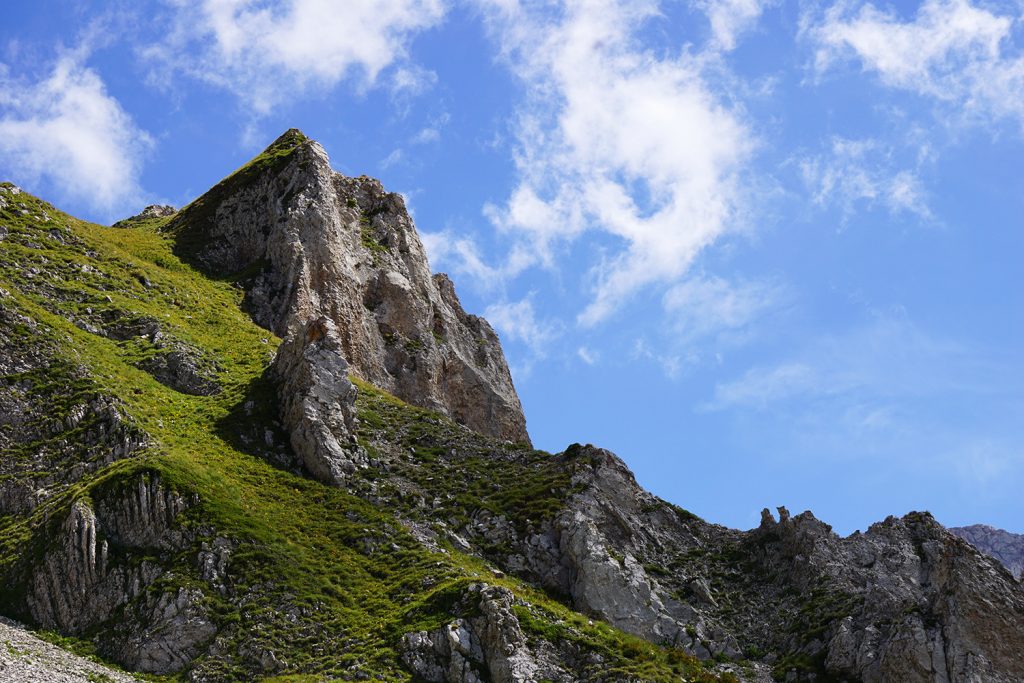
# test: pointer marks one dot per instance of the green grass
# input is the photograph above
(462, 471)
(322, 577)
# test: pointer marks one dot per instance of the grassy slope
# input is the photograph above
(358, 579)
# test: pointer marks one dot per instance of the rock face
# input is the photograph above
(52, 432)
(1006, 547)
(905, 601)
(318, 401)
(88, 576)
(923, 605)
(183, 369)
(488, 647)
(322, 245)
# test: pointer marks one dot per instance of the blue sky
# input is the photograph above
(768, 252)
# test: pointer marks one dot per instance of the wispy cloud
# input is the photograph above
(700, 307)
(867, 371)
(730, 18)
(266, 53)
(518, 321)
(865, 172)
(428, 135)
(761, 387)
(943, 412)
(461, 253)
(68, 130)
(614, 140)
(588, 355)
(952, 51)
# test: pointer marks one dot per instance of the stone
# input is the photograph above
(318, 401)
(330, 246)
(150, 212)
(488, 647)
(183, 369)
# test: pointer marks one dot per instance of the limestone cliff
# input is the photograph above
(312, 243)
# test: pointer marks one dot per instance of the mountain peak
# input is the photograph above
(310, 243)
(288, 140)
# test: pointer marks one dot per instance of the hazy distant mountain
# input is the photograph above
(1006, 547)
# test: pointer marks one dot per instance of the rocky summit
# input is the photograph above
(257, 438)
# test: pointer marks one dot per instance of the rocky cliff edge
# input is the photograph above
(308, 243)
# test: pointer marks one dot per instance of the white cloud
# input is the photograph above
(518, 321)
(68, 130)
(426, 136)
(730, 18)
(266, 53)
(615, 140)
(863, 373)
(672, 363)
(856, 172)
(952, 50)
(461, 253)
(587, 355)
(760, 387)
(395, 157)
(700, 307)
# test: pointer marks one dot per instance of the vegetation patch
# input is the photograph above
(325, 580)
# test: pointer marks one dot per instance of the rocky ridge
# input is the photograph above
(904, 601)
(177, 531)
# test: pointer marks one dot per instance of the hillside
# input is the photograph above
(257, 438)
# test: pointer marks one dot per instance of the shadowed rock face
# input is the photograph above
(324, 245)
(1006, 547)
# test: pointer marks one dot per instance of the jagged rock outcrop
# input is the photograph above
(599, 548)
(905, 601)
(150, 212)
(488, 647)
(325, 245)
(90, 574)
(182, 368)
(924, 605)
(163, 632)
(1006, 547)
(318, 401)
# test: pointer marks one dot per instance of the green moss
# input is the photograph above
(367, 237)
